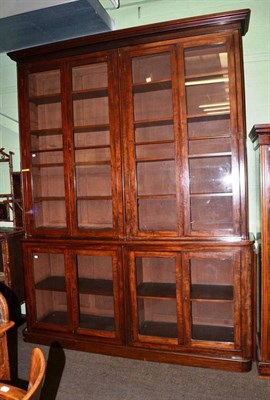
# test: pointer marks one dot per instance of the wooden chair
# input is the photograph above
(5, 324)
(36, 375)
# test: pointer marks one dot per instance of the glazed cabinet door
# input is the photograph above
(98, 293)
(214, 128)
(184, 138)
(212, 289)
(43, 154)
(96, 147)
(155, 297)
(48, 300)
(152, 142)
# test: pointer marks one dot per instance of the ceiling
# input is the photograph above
(28, 23)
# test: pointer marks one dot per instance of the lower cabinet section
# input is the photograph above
(184, 304)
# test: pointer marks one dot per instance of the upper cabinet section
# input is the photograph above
(137, 134)
(184, 138)
(46, 156)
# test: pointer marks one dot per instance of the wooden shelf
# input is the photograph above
(154, 142)
(155, 159)
(55, 318)
(153, 122)
(101, 287)
(88, 163)
(52, 283)
(48, 198)
(97, 323)
(159, 329)
(156, 196)
(46, 132)
(204, 155)
(152, 86)
(203, 116)
(211, 292)
(213, 333)
(48, 165)
(221, 194)
(46, 150)
(46, 99)
(100, 146)
(84, 198)
(156, 290)
(90, 93)
(91, 128)
(213, 74)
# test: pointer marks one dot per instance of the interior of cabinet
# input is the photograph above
(154, 142)
(46, 152)
(212, 297)
(92, 146)
(50, 288)
(95, 292)
(156, 296)
(209, 138)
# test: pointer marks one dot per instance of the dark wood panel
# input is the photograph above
(157, 290)
(211, 292)
(95, 286)
(159, 329)
(213, 333)
(95, 322)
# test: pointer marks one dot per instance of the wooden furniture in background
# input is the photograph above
(11, 266)
(36, 376)
(260, 136)
(5, 325)
(134, 176)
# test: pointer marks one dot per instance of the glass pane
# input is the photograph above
(94, 180)
(49, 214)
(154, 133)
(154, 142)
(207, 81)
(210, 126)
(50, 288)
(90, 76)
(45, 116)
(44, 83)
(94, 214)
(95, 286)
(157, 214)
(153, 105)
(210, 175)
(49, 210)
(211, 213)
(48, 181)
(92, 111)
(213, 321)
(212, 271)
(92, 151)
(209, 146)
(154, 67)
(157, 318)
(156, 178)
(210, 58)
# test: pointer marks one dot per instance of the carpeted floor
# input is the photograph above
(82, 376)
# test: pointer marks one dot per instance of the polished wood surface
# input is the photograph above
(36, 375)
(134, 177)
(5, 325)
(260, 136)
